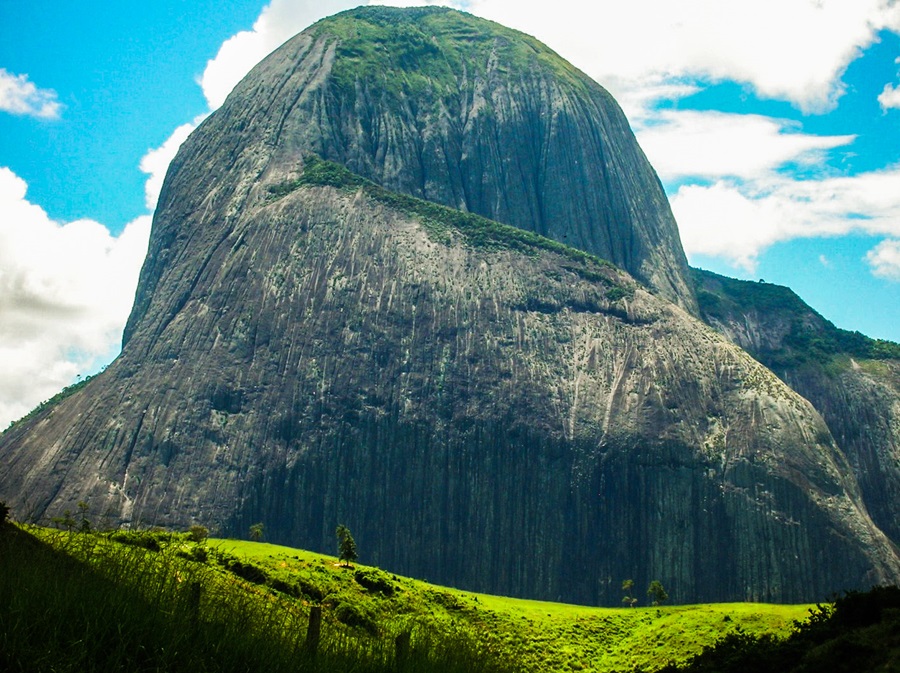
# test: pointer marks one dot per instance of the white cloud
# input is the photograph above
(737, 220)
(20, 96)
(890, 97)
(637, 101)
(279, 21)
(713, 144)
(156, 161)
(794, 50)
(65, 292)
(884, 259)
(737, 196)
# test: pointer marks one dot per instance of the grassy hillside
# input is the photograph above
(162, 601)
(539, 636)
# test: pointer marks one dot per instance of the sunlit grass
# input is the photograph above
(85, 602)
(542, 636)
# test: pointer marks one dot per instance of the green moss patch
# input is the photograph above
(440, 222)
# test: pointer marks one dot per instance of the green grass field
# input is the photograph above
(541, 636)
(162, 602)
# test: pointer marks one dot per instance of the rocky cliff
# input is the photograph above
(482, 405)
(852, 380)
(443, 106)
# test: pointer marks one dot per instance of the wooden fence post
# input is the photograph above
(314, 629)
(401, 646)
(194, 591)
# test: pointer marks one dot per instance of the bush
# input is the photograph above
(285, 587)
(247, 571)
(143, 539)
(198, 533)
(351, 615)
(856, 633)
(311, 590)
(374, 580)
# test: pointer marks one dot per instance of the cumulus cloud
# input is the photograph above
(736, 220)
(890, 96)
(710, 144)
(65, 292)
(638, 46)
(737, 197)
(20, 96)
(884, 259)
(793, 50)
(156, 161)
(279, 21)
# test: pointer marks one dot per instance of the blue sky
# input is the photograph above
(774, 126)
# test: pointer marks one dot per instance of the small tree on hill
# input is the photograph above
(628, 588)
(657, 592)
(346, 545)
(85, 525)
(256, 532)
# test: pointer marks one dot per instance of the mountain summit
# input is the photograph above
(417, 277)
(460, 111)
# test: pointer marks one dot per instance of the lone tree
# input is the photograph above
(256, 532)
(346, 545)
(628, 588)
(657, 592)
(85, 525)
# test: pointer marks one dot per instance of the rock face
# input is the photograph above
(446, 107)
(482, 406)
(853, 381)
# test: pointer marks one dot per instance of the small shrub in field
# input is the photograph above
(65, 521)
(144, 540)
(285, 587)
(310, 590)
(351, 615)
(374, 580)
(247, 571)
(198, 533)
